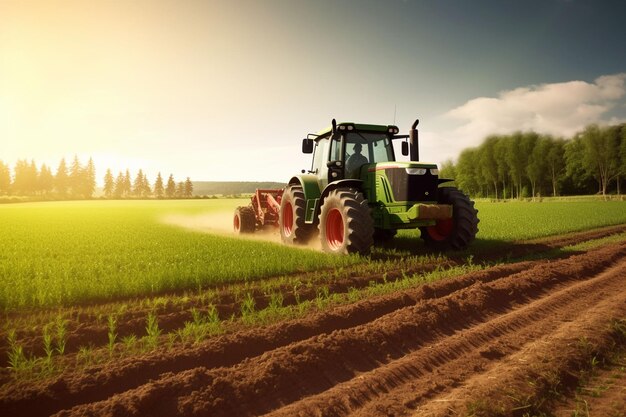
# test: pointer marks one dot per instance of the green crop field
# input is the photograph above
(73, 252)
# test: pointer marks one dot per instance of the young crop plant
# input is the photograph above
(112, 334)
(61, 334)
(48, 348)
(248, 308)
(152, 331)
(17, 359)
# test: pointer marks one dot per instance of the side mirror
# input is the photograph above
(307, 145)
(405, 148)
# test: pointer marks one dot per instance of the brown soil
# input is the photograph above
(470, 343)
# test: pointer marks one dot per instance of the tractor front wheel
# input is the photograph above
(459, 231)
(291, 219)
(345, 223)
(244, 220)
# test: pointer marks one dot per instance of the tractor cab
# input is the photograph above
(345, 149)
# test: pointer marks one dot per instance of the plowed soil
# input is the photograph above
(508, 340)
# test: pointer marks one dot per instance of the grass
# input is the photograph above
(71, 252)
(67, 253)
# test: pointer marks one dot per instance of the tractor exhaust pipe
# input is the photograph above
(414, 141)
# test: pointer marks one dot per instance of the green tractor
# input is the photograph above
(356, 194)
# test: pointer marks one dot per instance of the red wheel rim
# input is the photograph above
(236, 223)
(334, 229)
(288, 219)
(441, 230)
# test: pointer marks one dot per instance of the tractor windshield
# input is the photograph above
(375, 147)
(364, 148)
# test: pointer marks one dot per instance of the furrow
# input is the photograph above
(312, 366)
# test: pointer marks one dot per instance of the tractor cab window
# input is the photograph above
(319, 158)
(366, 148)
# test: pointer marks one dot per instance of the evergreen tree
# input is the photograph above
(138, 187)
(20, 183)
(119, 186)
(61, 179)
(109, 184)
(180, 190)
(126, 187)
(5, 179)
(188, 188)
(76, 178)
(32, 186)
(145, 190)
(158, 187)
(170, 189)
(89, 178)
(46, 180)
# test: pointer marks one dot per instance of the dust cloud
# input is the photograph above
(221, 223)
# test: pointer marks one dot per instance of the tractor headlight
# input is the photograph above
(416, 171)
(350, 127)
(434, 171)
(342, 127)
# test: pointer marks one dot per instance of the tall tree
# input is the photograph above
(180, 190)
(500, 152)
(76, 178)
(89, 179)
(170, 189)
(158, 186)
(537, 167)
(46, 180)
(61, 179)
(5, 179)
(138, 187)
(487, 162)
(188, 188)
(126, 185)
(555, 161)
(21, 182)
(109, 184)
(119, 186)
(601, 154)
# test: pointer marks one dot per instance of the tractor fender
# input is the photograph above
(311, 189)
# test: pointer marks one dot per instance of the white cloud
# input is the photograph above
(560, 109)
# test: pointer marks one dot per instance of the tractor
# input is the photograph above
(356, 194)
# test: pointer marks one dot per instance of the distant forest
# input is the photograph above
(527, 164)
(79, 182)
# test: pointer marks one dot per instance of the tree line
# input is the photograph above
(79, 182)
(528, 164)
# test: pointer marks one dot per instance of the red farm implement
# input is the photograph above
(262, 211)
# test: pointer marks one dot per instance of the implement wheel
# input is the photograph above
(345, 223)
(459, 231)
(291, 220)
(244, 220)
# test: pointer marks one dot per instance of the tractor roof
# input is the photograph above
(357, 126)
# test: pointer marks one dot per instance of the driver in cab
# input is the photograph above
(355, 161)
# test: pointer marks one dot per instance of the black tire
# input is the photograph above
(384, 235)
(244, 220)
(291, 219)
(458, 232)
(345, 223)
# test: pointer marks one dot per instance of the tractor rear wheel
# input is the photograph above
(244, 220)
(291, 219)
(459, 231)
(345, 223)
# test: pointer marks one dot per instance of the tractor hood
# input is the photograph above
(413, 168)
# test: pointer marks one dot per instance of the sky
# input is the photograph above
(225, 90)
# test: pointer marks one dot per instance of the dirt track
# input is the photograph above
(470, 343)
